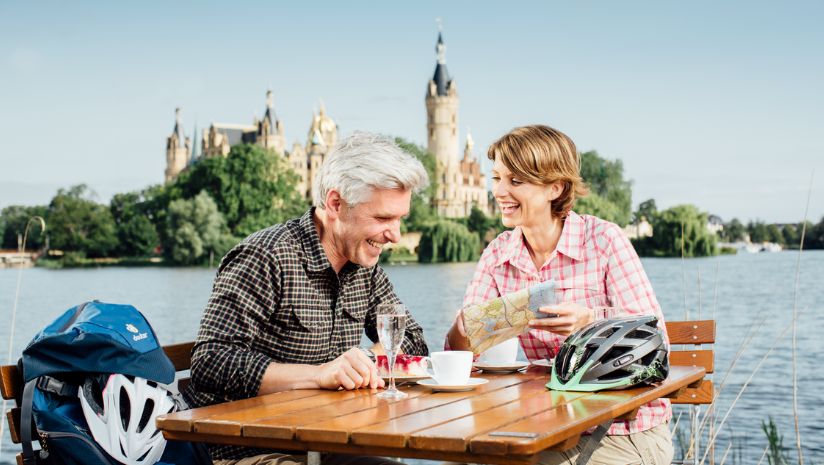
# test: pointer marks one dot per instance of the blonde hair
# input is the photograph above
(543, 155)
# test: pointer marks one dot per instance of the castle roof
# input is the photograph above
(441, 79)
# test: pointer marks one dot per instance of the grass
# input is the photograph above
(82, 262)
(776, 454)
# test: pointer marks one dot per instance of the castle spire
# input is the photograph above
(441, 78)
(181, 137)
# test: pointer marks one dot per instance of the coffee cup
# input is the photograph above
(405, 365)
(503, 354)
(451, 368)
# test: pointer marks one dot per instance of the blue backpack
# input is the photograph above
(86, 342)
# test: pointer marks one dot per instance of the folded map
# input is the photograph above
(493, 322)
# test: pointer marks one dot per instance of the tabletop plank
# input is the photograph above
(302, 447)
(338, 429)
(456, 435)
(284, 426)
(556, 425)
(230, 424)
(395, 432)
(184, 421)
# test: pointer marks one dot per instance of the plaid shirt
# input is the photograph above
(276, 298)
(593, 265)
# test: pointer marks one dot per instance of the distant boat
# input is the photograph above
(750, 248)
(771, 247)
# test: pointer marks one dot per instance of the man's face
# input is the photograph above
(364, 230)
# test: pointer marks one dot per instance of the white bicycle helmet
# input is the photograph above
(121, 415)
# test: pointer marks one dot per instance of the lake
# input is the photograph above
(173, 300)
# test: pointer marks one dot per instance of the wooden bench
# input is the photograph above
(695, 334)
(11, 388)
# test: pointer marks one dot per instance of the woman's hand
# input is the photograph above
(571, 317)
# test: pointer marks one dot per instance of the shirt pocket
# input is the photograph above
(586, 292)
(309, 332)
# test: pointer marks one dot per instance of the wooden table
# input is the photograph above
(427, 425)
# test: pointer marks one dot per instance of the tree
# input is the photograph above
(814, 235)
(195, 225)
(135, 231)
(791, 235)
(734, 230)
(757, 231)
(421, 211)
(646, 209)
(595, 205)
(606, 180)
(252, 186)
(447, 241)
(13, 220)
(79, 224)
(774, 234)
(698, 241)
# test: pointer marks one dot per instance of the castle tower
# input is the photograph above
(442, 137)
(178, 150)
(270, 129)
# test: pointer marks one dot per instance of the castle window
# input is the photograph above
(431, 118)
(454, 131)
(444, 194)
(453, 118)
(443, 178)
(431, 133)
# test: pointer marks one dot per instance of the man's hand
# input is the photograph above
(457, 334)
(352, 370)
(571, 317)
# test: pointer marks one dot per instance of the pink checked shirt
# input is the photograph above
(593, 265)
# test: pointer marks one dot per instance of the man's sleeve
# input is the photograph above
(383, 293)
(245, 293)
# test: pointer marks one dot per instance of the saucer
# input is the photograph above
(543, 363)
(470, 385)
(405, 379)
(514, 366)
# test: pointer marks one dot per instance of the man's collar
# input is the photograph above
(571, 243)
(316, 259)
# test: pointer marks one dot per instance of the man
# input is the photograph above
(290, 302)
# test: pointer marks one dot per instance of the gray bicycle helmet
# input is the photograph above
(611, 354)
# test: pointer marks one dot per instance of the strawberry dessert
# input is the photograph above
(405, 365)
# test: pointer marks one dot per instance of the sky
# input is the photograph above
(716, 104)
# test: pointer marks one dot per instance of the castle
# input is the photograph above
(460, 182)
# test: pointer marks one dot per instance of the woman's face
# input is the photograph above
(522, 203)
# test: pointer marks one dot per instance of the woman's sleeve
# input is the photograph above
(481, 288)
(627, 285)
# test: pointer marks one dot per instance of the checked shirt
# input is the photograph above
(593, 265)
(276, 298)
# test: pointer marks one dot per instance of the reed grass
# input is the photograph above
(795, 300)
(751, 377)
(764, 454)
(14, 308)
(725, 454)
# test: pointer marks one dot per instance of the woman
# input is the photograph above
(536, 179)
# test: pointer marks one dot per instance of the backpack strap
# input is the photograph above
(25, 422)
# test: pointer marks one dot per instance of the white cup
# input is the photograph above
(503, 354)
(451, 368)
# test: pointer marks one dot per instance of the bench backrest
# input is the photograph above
(694, 333)
(11, 388)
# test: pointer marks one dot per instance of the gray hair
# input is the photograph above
(363, 162)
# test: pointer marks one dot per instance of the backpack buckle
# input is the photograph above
(53, 386)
